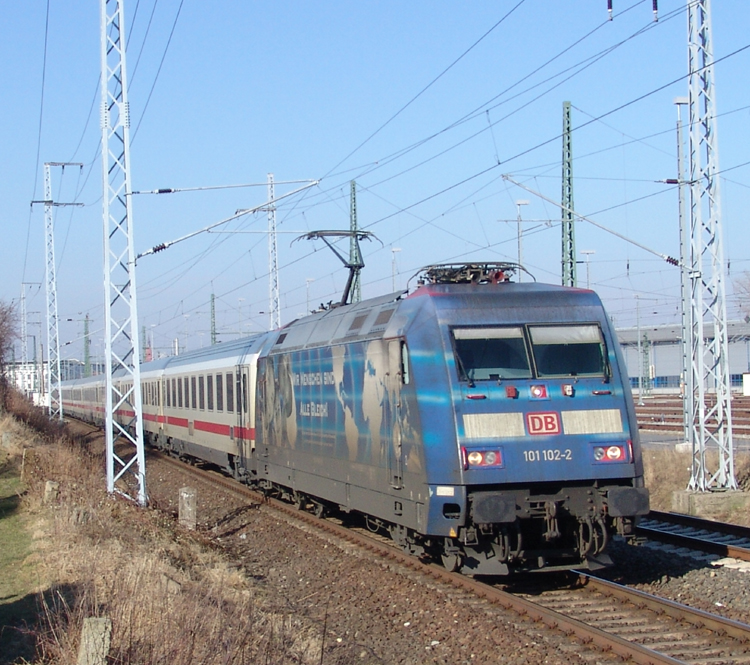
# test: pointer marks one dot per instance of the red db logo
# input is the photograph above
(543, 423)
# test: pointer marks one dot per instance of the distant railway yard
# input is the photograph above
(663, 414)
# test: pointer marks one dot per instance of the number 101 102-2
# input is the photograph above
(548, 455)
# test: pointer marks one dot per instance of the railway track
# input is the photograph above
(667, 632)
(663, 413)
(727, 540)
(622, 622)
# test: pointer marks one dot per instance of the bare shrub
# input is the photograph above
(8, 335)
(742, 472)
(34, 416)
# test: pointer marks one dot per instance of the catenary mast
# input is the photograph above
(709, 358)
(568, 218)
(122, 352)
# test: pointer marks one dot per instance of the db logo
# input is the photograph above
(543, 423)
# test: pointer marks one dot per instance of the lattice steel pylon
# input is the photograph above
(124, 452)
(709, 357)
(53, 338)
(568, 216)
(24, 328)
(273, 261)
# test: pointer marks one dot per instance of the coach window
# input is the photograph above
(230, 392)
(179, 392)
(239, 394)
(210, 391)
(169, 393)
(201, 393)
(193, 392)
(244, 393)
(219, 393)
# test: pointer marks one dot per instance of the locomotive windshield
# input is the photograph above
(501, 353)
(491, 353)
(568, 350)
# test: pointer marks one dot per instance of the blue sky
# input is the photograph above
(425, 104)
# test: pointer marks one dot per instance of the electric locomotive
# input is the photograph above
(485, 422)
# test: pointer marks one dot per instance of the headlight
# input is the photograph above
(473, 459)
(610, 453)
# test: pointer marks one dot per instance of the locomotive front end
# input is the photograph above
(545, 448)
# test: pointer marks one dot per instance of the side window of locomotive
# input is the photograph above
(568, 350)
(491, 354)
(230, 392)
(405, 376)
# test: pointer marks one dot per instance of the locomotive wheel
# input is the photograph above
(451, 556)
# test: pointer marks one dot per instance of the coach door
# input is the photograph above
(392, 415)
(242, 433)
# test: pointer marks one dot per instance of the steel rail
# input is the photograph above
(664, 606)
(703, 543)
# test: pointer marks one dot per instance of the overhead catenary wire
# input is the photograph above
(39, 137)
(645, 248)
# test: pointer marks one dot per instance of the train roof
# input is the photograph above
(512, 294)
(236, 348)
(384, 316)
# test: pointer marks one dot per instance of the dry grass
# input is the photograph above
(667, 471)
(170, 599)
(110, 558)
